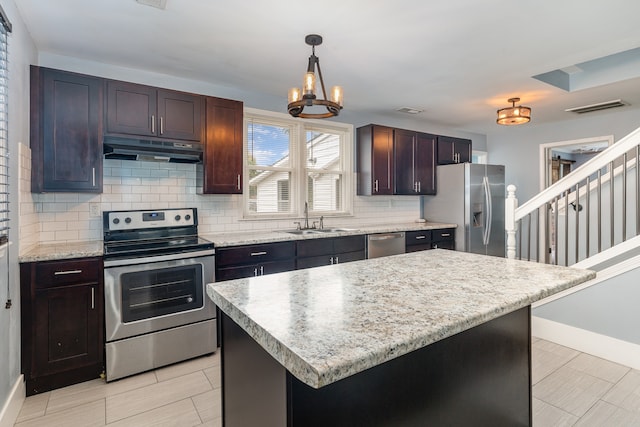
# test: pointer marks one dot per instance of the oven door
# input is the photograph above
(144, 295)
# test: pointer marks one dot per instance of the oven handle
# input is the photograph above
(158, 258)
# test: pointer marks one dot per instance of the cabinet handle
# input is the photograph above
(59, 273)
(337, 261)
(258, 253)
(93, 298)
(93, 174)
(419, 187)
(238, 181)
(161, 125)
(153, 123)
(420, 237)
(375, 186)
(262, 270)
(331, 260)
(445, 234)
(255, 272)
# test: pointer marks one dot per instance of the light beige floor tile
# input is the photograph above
(209, 404)
(606, 414)
(89, 391)
(187, 367)
(153, 396)
(626, 393)
(570, 390)
(213, 423)
(178, 414)
(546, 357)
(33, 407)
(87, 415)
(213, 374)
(597, 367)
(545, 415)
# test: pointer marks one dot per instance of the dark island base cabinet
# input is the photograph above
(62, 323)
(479, 377)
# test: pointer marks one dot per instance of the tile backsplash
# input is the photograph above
(66, 217)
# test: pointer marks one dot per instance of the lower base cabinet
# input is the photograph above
(62, 309)
(423, 240)
(329, 251)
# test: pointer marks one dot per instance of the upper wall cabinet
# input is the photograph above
(374, 165)
(414, 162)
(222, 160)
(144, 111)
(453, 150)
(66, 131)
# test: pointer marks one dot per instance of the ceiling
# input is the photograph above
(457, 60)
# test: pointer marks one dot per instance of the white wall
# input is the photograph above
(22, 52)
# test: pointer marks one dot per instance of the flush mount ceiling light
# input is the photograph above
(299, 99)
(514, 115)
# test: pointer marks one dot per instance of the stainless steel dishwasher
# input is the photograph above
(385, 244)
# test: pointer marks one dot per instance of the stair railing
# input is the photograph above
(593, 208)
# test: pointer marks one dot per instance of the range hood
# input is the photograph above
(154, 151)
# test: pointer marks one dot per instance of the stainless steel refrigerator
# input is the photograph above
(472, 196)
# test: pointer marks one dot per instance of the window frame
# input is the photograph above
(297, 163)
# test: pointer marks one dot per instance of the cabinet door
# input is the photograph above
(403, 162)
(131, 109)
(382, 160)
(179, 115)
(66, 131)
(425, 163)
(343, 257)
(462, 148)
(67, 329)
(222, 163)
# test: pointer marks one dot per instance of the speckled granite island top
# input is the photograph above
(327, 323)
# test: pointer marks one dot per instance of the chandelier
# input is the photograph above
(299, 99)
(514, 115)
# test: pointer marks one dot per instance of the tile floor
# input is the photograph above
(569, 389)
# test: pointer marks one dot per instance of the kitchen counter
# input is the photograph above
(268, 236)
(331, 327)
(57, 251)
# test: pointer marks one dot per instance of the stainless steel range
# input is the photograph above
(155, 272)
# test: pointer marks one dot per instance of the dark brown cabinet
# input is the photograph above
(414, 162)
(62, 322)
(453, 150)
(374, 165)
(254, 260)
(329, 251)
(421, 240)
(150, 112)
(221, 171)
(66, 131)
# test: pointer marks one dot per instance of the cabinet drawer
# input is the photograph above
(61, 273)
(349, 244)
(253, 254)
(443, 234)
(422, 237)
(240, 272)
(315, 247)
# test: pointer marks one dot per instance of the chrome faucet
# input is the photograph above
(306, 215)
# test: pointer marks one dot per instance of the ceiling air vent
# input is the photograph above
(410, 110)
(597, 107)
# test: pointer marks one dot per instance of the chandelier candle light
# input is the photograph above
(514, 115)
(298, 99)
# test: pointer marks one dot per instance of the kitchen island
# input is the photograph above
(428, 338)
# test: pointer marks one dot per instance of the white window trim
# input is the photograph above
(298, 166)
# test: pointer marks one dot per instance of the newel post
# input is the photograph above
(510, 205)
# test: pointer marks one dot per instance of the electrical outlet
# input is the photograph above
(94, 209)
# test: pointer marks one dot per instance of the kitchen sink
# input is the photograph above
(317, 231)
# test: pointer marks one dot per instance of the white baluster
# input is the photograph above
(510, 205)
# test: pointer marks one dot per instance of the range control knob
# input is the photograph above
(127, 220)
(116, 220)
(177, 218)
(187, 217)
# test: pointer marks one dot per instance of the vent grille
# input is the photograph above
(597, 107)
(410, 110)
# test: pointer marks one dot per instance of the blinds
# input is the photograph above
(5, 28)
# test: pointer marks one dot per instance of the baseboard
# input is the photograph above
(12, 407)
(612, 349)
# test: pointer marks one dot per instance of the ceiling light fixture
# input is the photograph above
(298, 99)
(514, 115)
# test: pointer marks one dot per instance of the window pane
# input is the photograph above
(267, 145)
(326, 190)
(323, 150)
(269, 191)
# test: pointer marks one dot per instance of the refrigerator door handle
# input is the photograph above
(487, 200)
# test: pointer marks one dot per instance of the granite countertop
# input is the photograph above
(268, 236)
(57, 251)
(326, 323)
